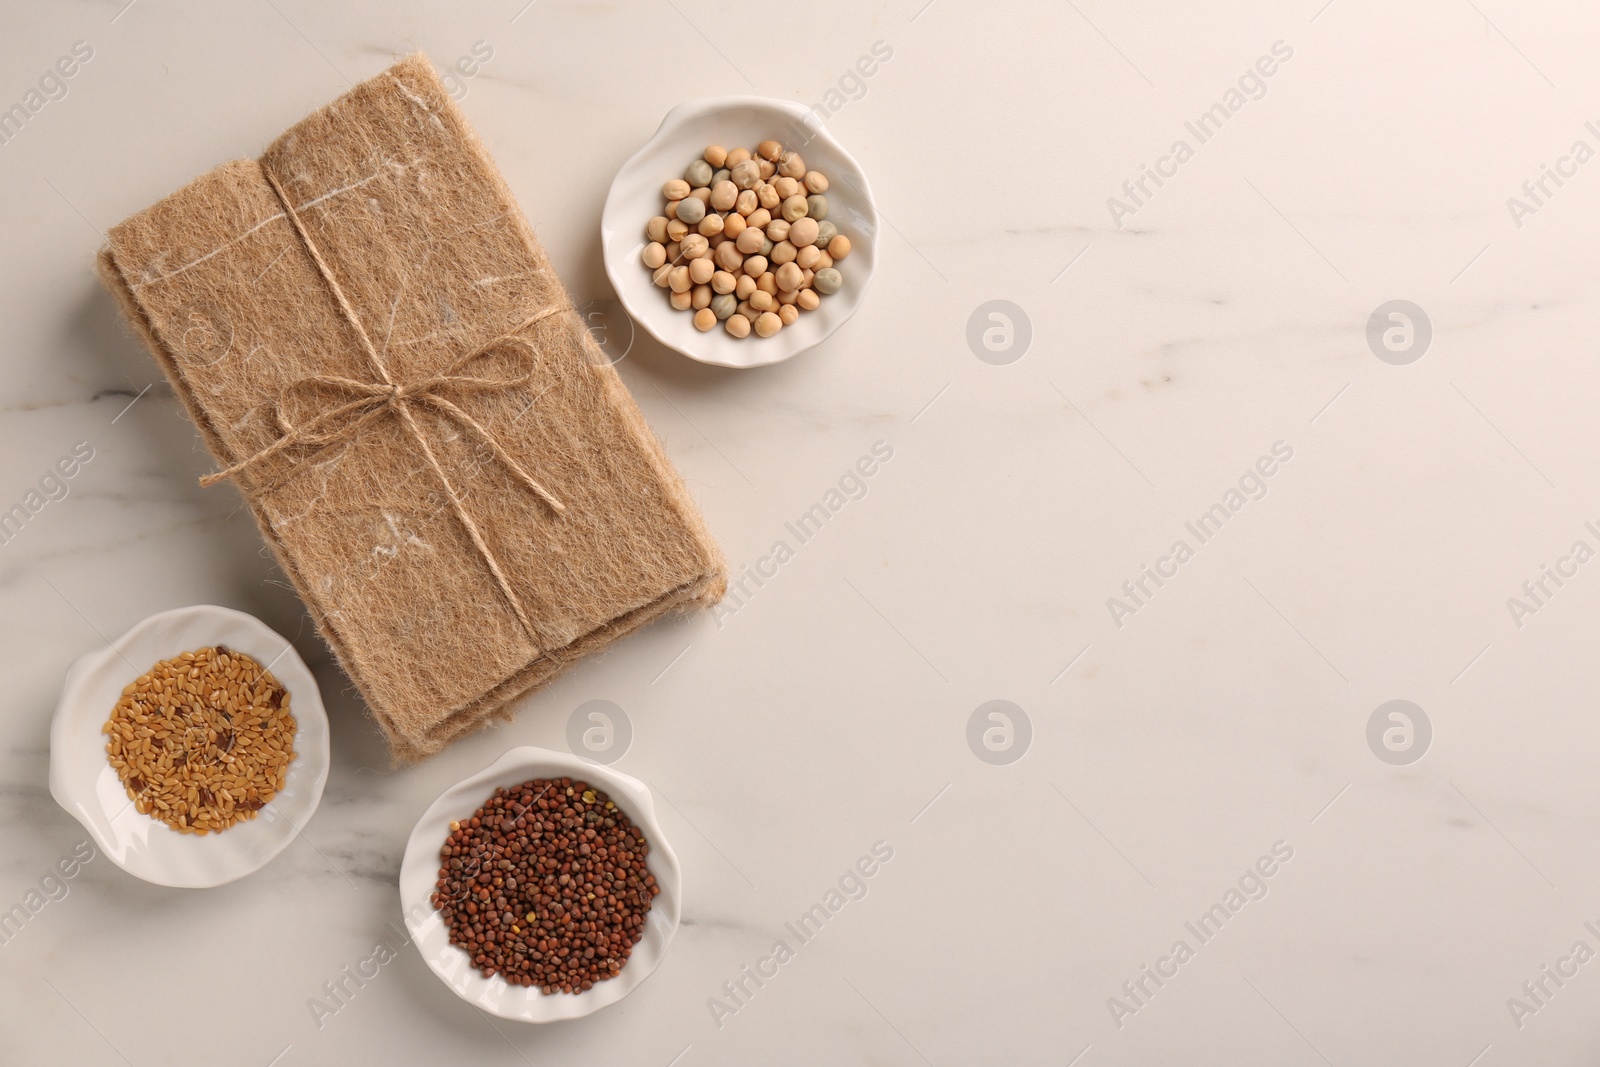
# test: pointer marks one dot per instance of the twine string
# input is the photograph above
(370, 399)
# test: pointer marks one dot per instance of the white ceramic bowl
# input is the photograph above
(84, 783)
(734, 122)
(419, 872)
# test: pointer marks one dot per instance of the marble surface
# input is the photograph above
(1181, 740)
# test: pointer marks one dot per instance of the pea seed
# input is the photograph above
(750, 240)
(746, 175)
(691, 210)
(694, 246)
(803, 232)
(744, 239)
(724, 194)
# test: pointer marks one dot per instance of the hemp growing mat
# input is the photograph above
(373, 345)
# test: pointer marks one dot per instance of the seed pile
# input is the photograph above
(202, 741)
(745, 240)
(546, 885)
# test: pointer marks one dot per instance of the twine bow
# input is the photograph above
(372, 399)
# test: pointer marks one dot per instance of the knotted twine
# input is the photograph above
(372, 399)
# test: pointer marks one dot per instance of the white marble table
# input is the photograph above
(1177, 735)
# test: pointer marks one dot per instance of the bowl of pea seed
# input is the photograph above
(741, 234)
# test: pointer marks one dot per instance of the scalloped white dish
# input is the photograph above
(735, 122)
(83, 781)
(419, 872)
